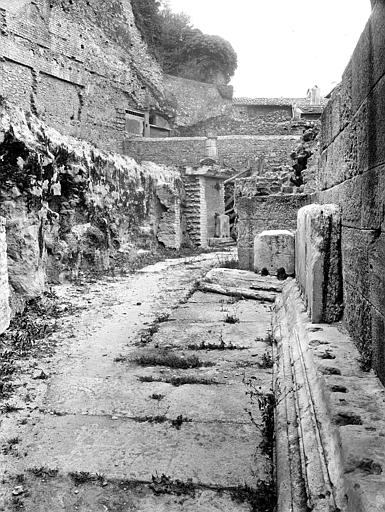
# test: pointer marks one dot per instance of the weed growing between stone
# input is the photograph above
(178, 381)
(203, 345)
(266, 360)
(28, 335)
(43, 472)
(171, 360)
(261, 498)
(266, 404)
(165, 485)
(178, 422)
(157, 396)
(83, 477)
(231, 319)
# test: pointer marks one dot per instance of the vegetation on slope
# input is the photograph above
(181, 49)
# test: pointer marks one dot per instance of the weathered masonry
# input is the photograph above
(352, 174)
(204, 206)
(82, 67)
(236, 151)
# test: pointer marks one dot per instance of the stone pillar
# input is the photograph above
(4, 285)
(318, 261)
(224, 226)
(211, 148)
(204, 239)
(274, 250)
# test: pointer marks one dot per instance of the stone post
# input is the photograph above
(4, 285)
(318, 261)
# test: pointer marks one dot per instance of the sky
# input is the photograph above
(284, 47)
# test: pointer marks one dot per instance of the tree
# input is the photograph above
(211, 58)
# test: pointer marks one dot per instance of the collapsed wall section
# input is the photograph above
(70, 206)
(80, 66)
(352, 175)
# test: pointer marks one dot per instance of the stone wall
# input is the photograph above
(4, 286)
(233, 151)
(195, 101)
(352, 175)
(261, 213)
(77, 65)
(245, 120)
(71, 207)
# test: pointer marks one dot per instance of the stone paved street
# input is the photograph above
(145, 407)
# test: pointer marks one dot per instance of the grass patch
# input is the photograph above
(231, 319)
(8, 408)
(165, 485)
(266, 360)
(43, 472)
(151, 419)
(171, 360)
(83, 477)
(179, 420)
(9, 447)
(266, 404)
(214, 346)
(179, 381)
(269, 339)
(261, 498)
(157, 396)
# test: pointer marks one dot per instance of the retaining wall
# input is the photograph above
(352, 174)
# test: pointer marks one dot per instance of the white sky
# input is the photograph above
(283, 46)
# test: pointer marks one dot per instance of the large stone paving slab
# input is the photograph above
(105, 410)
(218, 454)
(149, 399)
(61, 495)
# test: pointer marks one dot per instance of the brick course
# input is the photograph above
(77, 65)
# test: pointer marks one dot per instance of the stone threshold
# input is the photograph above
(330, 416)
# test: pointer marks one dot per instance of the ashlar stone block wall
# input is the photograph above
(352, 174)
(262, 213)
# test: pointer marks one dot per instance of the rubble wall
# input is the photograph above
(78, 65)
(352, 174)
(233, 151)
(70, 206)
(245, 120)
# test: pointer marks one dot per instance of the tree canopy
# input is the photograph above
(180, 48)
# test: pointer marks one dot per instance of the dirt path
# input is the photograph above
(150, 402)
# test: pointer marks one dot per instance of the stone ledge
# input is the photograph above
(330, 417)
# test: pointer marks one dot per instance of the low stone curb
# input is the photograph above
(330, 446)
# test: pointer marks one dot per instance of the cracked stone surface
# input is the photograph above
(104, 416)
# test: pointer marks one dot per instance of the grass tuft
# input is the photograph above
(171, 360)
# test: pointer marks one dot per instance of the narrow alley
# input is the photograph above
(158, 397)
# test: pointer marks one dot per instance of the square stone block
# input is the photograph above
(274, 250)
(318, 261)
